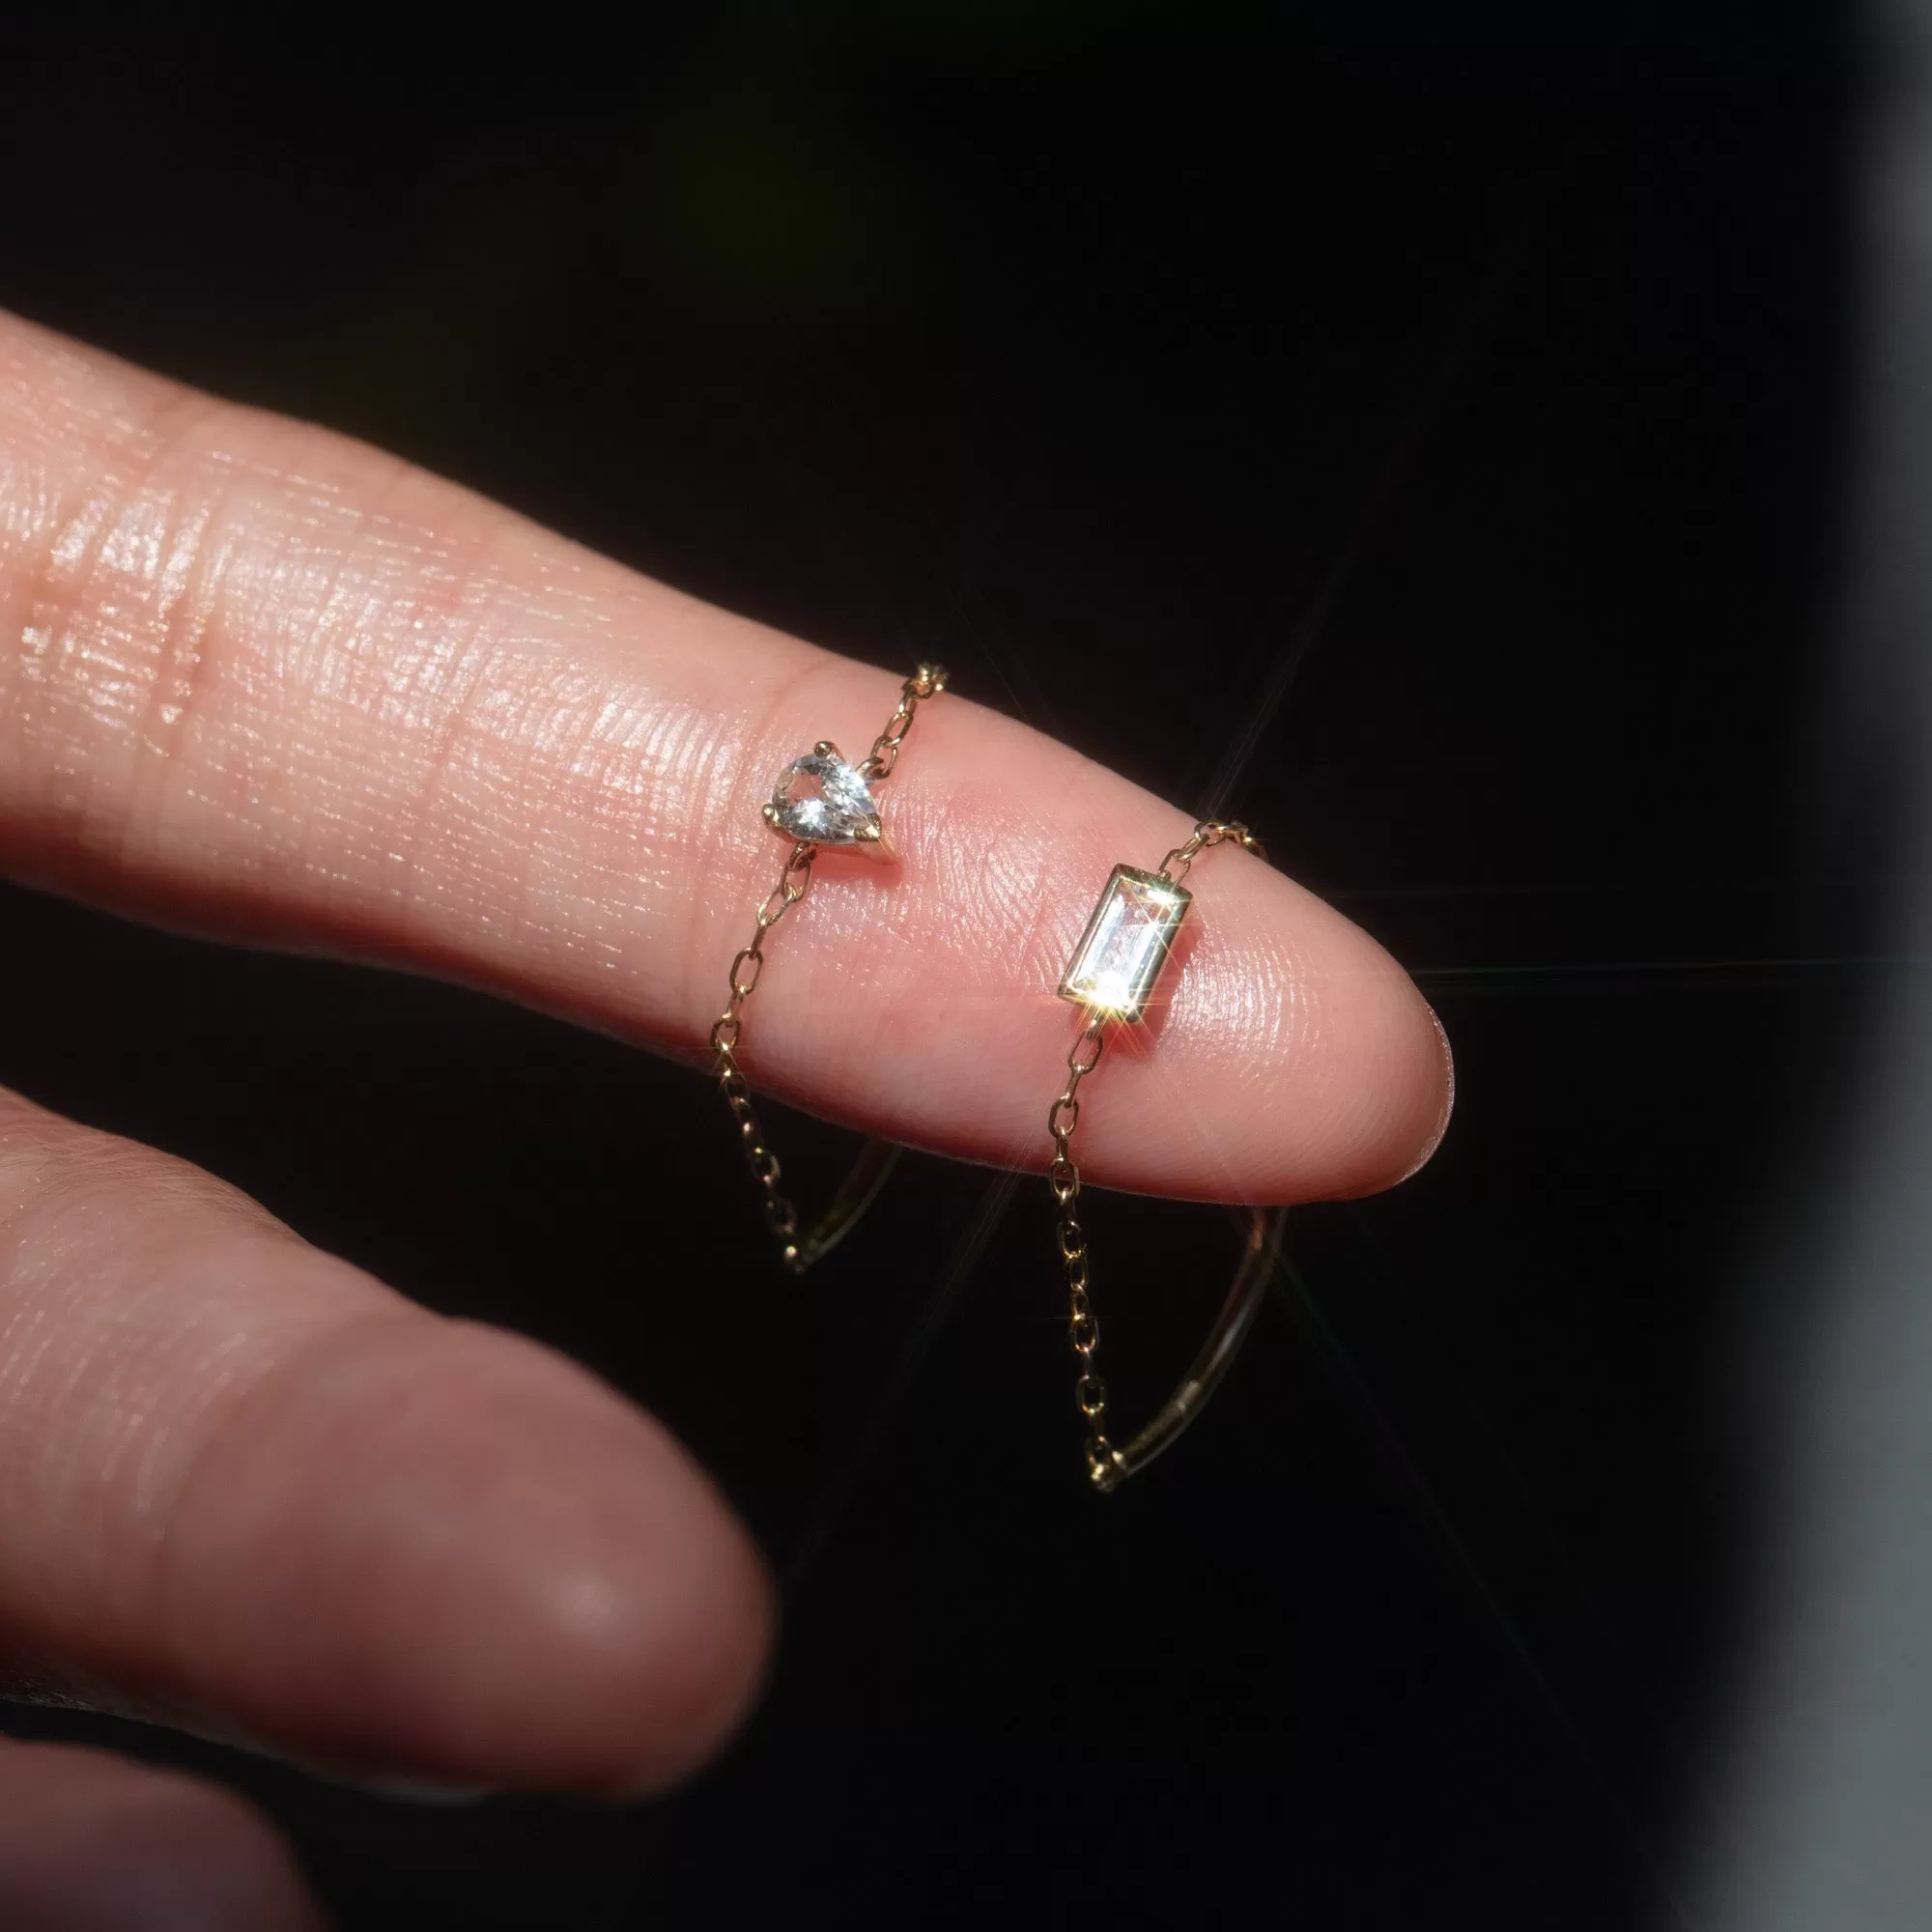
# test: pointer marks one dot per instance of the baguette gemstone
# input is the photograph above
(1118, 959)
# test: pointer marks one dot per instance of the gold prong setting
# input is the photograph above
(821, 800)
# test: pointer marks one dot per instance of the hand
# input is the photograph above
(271, 685)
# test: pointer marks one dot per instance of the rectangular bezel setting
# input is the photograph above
(1126, 942)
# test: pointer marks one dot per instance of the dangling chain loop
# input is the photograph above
(1064, 1178)
(780, 1216)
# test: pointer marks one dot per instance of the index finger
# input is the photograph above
(276, 686)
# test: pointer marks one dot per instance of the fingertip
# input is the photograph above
(442, 1552)
(1445, 1094)
(1350, 1080)
(1413, 1082)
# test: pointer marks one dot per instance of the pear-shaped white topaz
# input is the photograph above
(821, 798)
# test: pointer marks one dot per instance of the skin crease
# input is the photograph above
(271, 685)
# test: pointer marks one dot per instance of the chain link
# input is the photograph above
(748, 968)
(1062, 1176)
(927, 681)
(1209, 832)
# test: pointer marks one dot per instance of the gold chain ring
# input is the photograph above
(1111, 975)
(819, 801)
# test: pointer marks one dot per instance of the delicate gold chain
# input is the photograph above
(780, 1216)
(927, 681)
(1064, 1178)
(1209, 832)
(798, 1253)
(1090, 1391)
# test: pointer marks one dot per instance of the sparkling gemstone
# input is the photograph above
(1121, 953)
(821, 798)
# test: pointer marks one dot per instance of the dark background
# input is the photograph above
(1446, 406)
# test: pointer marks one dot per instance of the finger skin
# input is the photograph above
(246, 1487)
(89, 1842)
(271, 684)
